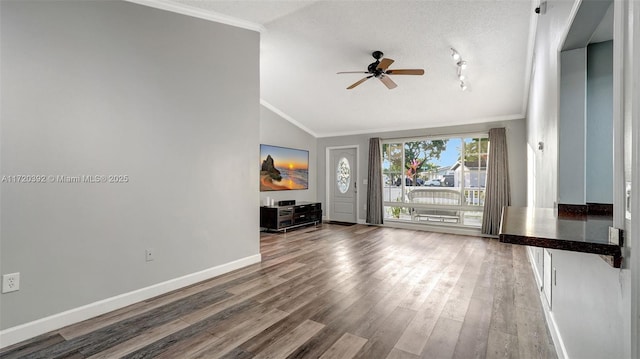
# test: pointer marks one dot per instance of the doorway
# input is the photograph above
(342, 179)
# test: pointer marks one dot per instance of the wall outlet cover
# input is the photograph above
(10, 282)
(614, 235)
(149, 254)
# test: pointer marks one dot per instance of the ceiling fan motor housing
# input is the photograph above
(373, 68)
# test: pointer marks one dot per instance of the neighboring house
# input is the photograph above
(474, 173)
(439, 173)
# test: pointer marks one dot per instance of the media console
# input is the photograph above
(281, 218)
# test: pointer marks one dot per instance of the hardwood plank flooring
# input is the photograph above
(332, 292)
(344, 348)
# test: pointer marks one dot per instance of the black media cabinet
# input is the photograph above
(281, 218)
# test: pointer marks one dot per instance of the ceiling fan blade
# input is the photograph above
(406, 72)
(384, 64)
(359, 82)
(388, 82)
(352, 72)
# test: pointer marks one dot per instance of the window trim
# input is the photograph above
(404, 204)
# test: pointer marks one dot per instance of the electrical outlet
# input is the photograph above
(149, 254)
(10, 282)
(614, 235)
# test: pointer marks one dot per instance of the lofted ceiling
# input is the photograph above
(304, 44)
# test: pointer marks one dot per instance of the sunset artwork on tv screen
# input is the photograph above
(283, 168)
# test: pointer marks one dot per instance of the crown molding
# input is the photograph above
(288, 118)
(518, 116)
(199, 13)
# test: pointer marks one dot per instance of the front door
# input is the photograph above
(343, 182)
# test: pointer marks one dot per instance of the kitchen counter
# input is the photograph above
(542, 227)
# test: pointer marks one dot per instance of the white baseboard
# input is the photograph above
(561, 350)
(532, 261)
(358, 221)
(32, 329)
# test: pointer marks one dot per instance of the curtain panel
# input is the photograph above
(375, 209)
(498, 194)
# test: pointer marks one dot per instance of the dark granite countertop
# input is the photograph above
(542, 227)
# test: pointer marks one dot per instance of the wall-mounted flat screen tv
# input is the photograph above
(283, 168)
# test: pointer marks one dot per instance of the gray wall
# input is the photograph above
(572, 127)
(114, 88)
(515, 139)
(277, 131)
(585, 125)
(590, 303)
(599, 167)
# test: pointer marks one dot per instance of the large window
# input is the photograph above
(435, 180)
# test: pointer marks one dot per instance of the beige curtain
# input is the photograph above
(498, 193)
(375, 209)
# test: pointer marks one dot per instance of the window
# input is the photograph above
(435, 180)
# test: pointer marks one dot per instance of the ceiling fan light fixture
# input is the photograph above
(381, 71)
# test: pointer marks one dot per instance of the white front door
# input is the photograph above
(343, 182)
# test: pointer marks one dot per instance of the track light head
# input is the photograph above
(461, 66)
(455, 54)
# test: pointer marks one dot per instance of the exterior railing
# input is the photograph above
(473, 196)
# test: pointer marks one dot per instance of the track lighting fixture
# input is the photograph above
(462, 65)
(455, 54)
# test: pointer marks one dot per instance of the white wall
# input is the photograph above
(590, 307)
(277, 131)
(114, 88)
(632, 162)
(515, 139)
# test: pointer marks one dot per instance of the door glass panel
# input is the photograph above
(343, 175)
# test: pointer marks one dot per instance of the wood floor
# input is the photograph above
(333, 292)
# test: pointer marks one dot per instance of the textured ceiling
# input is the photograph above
(307, 42)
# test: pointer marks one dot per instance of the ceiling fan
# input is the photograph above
(380, 70)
